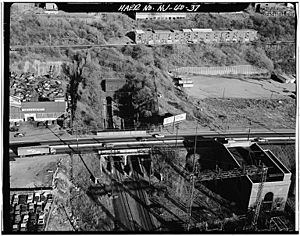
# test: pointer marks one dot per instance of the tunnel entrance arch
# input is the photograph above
(268, 201)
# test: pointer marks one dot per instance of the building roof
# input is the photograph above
(213, 153)
(162, 31)
(14, 101)
(114, 84)
(44, 107)
(139, 31)
(201, 30)
(246, 30)
(252, 154)
(187, 30)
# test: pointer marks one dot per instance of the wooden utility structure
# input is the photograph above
(258, 197)
(276, 223)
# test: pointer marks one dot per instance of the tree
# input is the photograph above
(258, 57)
(74, 72)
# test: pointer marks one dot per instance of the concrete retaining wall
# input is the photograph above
(122, 133)
(221, 70)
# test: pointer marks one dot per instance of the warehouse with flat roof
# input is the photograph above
(241, 166)
(37, 111)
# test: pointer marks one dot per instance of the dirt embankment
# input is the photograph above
(244, 113)
(60, 217)
(30, 172)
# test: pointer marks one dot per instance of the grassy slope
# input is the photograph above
(138, 64)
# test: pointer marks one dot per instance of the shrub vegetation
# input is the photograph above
(144, 68)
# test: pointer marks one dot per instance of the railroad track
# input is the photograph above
(146, 219)
(85, 145)
(275, 134)
(122, 208)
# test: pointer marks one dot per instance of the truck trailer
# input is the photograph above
(35, 150)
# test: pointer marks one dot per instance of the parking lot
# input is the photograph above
(29, 211)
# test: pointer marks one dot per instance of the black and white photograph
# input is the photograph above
(150, 117)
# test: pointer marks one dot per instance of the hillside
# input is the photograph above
(144, 68)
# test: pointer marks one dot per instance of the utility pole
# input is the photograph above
(195, 147)
(157, 104)
(173, 125)
(151, 154)
(111, 162)
(192, 195)
(177, 126)
(193, 182)
(77, 135)
(258, 197)
(249, 130)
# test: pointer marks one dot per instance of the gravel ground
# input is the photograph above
(226, 87)
(29, 172)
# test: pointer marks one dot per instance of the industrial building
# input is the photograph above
(234, 171)
(15, 113)
(242, 188)
(37, 111)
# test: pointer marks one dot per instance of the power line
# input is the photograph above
(18, 47)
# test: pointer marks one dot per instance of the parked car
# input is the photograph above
(22, 199)
(141, 139)
(24, 209)
(42, 216)
(17, 208)
(39, 207)
(15, 199)
(259, 139)
(32, 218)
(15, 228)
(13, 129)
(11, 217)
(108, 145)
(221, 140)
(25, 218)
(47, 207)
(30, 227)
(114, 197)
(40, 226)
(31, 207)
(37, 197)
(43, 198)
(30, 198)
(17, 219)
(23, 227)
(19, 135)
(41, 221)
(158, 135)
(49, 196)
(12, 210)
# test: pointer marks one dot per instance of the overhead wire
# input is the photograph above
(117, 45)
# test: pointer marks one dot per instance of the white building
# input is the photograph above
(159, 16)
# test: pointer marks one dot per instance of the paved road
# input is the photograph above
(94, 144)
(181, 133)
